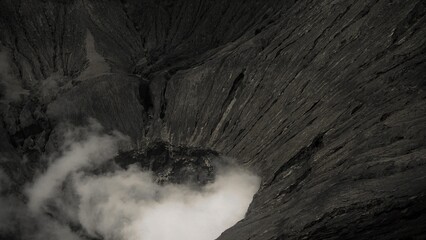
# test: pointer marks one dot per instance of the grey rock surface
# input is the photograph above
(171, 164)
(324, 99)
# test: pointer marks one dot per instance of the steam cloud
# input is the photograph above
(94, 149)
(128, 204)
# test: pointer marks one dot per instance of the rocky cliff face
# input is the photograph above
(325, 100)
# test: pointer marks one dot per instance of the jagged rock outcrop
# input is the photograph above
(171, 164)
(325, 100)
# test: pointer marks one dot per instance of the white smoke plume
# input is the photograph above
(127, 204)
(130, 205)
(93, 149)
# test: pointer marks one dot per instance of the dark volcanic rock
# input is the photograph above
(325, 100)
(112, 99)
(171, 164)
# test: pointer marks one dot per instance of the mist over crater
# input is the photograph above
(199, 119)
(90, 189)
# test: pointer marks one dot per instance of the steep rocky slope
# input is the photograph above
(325, 100)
